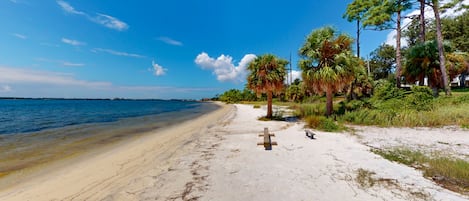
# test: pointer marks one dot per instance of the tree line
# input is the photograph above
(329, 65)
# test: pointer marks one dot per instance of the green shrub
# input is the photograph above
(421, 98)
(256, 106)
(385, 90)
(322, 123)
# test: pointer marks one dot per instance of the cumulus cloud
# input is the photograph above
(223, 66)
(157, 69)
(72, 42)
(102, 19)
(20, 36)
(170, 41)
(391, 37)
(5, 88)
(117, 53)
(15, 75)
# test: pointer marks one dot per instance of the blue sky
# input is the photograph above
(152, 49)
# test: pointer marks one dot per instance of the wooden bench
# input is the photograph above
(310, 134)
(267, 142)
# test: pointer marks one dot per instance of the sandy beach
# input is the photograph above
(216, 157)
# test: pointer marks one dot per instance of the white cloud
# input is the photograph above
(391, 37)
(5, 88)
(117, 53)
(60, 62)
(102, 19)
(68, 8)
(15, 75)
(110, 22)
(20, 36)
(296, 75)
(157, 69)
(224, 68)
(66, 63)
(170, 41)
(72, 42)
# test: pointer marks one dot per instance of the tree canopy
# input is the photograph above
(267, 75)
(327, 63)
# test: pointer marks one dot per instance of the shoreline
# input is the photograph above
(216, 157)
(127, 160)
(24, 151)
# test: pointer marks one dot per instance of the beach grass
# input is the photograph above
(451, 173)
(438, 112)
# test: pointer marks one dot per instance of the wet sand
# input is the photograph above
(104, 158)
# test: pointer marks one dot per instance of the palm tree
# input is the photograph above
(328, 64)
(267, 75)
(422, 60)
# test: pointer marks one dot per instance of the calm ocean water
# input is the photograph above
(34, 132)
(20, 116)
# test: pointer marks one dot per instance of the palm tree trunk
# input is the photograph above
(398, 50)
(269, 105)
(441, 52)
(329, 107)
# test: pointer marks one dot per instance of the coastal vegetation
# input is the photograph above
(396, 86)
(267, 75)
(399, 87)
(450, 172)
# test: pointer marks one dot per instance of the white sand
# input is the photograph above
(216, 157)
(303, 169)
(119, 173)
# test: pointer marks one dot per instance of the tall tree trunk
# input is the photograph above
(422, 33)
(422, 21)
(398, 50)
(329, 107)
(441, 52)
(358, 38)
(269, 105)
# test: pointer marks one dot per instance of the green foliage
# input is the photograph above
(322, 123)
(404, 156)
(422, 60)
(295, 92)
(382, 61)
(385, 90)
(327, 63)
(231, 96)
(376, 14)
(236, 96)
(266, 74)
(420, 99)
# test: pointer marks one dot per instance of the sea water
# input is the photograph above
(37, 131)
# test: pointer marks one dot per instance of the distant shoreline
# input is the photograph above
(112, 99)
